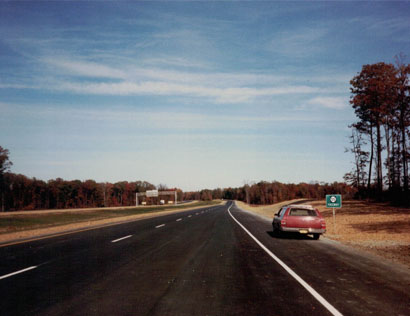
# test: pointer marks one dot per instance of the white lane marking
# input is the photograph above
(179, 219)
(189, 215)
(197, 214)
(17, 272)
(122, 238)
(315, 294)
(162, 225)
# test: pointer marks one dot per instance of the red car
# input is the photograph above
(303, 219)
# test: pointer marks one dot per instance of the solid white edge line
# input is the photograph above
(312, 291)
(17, 272)
(119, 239)
(162, 225)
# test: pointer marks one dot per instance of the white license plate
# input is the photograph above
(303, 231)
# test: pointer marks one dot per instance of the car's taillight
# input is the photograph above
(323, 223)
(283, 222)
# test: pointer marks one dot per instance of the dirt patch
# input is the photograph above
(378, 228)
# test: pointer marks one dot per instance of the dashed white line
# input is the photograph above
(122, 238)
(162, 225)
(17, 272)
(189, 215)
(312, 291)
(196, 213)
(179, 219)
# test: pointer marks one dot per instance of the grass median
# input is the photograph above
(21, 222)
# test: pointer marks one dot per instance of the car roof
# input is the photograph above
(306, 206)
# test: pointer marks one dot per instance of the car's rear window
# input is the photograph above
(302, 212)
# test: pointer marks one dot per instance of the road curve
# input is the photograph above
(198, 262)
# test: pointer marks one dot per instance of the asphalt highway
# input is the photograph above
(212, 261)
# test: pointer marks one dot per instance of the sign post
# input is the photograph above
(334, 201)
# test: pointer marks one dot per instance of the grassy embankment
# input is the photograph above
(22, 221)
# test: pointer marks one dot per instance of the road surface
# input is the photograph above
(199, 262)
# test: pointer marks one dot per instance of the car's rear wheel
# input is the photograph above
(316, 236)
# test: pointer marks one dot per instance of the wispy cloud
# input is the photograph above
(122, 78)
(153, 120)
(337, 103)
(394, 28)
(85, 68)
(221, 95)
(300, 42)
(174, 61)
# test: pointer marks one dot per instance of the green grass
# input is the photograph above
(29, 221)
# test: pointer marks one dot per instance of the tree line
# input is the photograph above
(23, 193)
(19, 192)
(380, 97)
(273, 192)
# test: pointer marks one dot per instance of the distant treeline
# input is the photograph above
(273, 192)
(22, 193)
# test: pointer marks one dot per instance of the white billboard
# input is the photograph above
(152, 193)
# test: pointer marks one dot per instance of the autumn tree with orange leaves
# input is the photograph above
(380, 98)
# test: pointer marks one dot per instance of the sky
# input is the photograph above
(193, 95)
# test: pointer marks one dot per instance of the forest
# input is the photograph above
(380, 97)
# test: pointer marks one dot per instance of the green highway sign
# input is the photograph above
(334, 200)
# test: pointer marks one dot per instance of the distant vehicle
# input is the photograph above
(303, 219)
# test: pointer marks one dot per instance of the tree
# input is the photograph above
(381, 100)
(403, 112)
(5, 165)
(373, 93)
(358, 176)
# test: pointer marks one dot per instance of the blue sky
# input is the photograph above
(189, 94)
